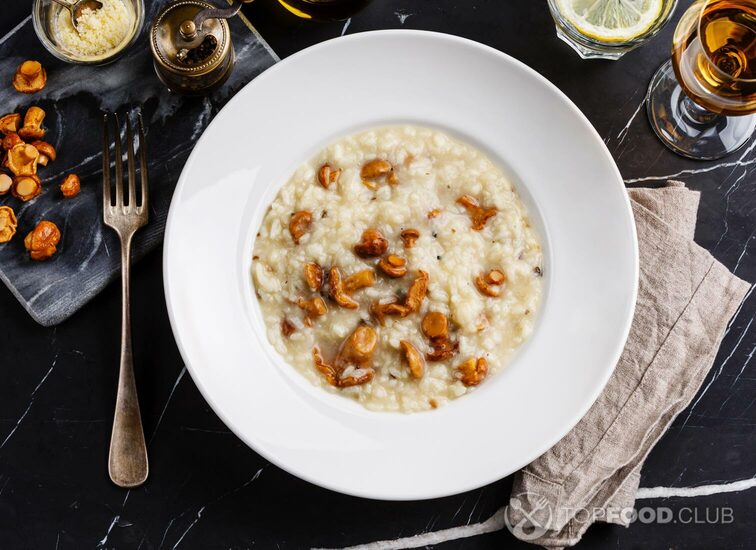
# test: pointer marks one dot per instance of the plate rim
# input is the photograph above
(598, 387)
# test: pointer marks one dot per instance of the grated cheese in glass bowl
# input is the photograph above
(103, 34)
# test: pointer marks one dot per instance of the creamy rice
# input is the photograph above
(433, 170)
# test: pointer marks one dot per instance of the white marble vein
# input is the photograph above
(202, 509)
(402, 16)
(31, 402)
(699, 491)
(622, 134)
(105, 538)
(689, 171)
(192, 524)
(15, 29)
(346, 26)
(716, 374)
(168, 401)
(496, 521)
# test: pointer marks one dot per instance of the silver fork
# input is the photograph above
(127, 463)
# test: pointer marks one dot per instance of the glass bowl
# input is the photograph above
(45, 15)
(589, 48)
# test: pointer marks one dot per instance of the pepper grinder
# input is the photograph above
(191, 45)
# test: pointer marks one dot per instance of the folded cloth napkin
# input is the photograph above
(685, 300)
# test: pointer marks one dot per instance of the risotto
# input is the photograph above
(398, 267)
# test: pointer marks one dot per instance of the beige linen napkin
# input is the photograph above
(685, 300)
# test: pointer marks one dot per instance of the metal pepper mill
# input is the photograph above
(191, 45)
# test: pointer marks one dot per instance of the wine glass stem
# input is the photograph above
(696, 114)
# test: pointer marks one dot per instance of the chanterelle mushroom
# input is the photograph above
(32, 128)
(409, 236)
(46, 152)
(473, 371)
(10, 140)
(417, 291)
(26, 188)
(372, 244)
(5, 183)
(414, 360)
(314, 276)
(312, 308)
(22, 160)
(436, 327)
(43, 240)
(361, 279)
(393, 266)
(10, 123)
(489, 283)
(299, 224)
(415, 296)
(8, 224)
(356, 352)
(337, 290)
(328, 175)
(478, 214)
(30, 77)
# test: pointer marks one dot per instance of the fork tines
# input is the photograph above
(124, 202)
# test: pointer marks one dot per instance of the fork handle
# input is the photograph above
(127, 463)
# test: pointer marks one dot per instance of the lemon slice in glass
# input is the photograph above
(611, 20)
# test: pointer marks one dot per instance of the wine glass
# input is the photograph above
(700, 103)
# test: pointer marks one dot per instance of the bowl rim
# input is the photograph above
(599, 383)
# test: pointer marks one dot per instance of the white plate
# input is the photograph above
(563, 171)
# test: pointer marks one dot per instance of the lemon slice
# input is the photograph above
(611, 20)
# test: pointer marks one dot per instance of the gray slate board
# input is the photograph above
(74, 99)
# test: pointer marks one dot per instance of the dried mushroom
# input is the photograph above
(328, 175)
(361, 279)
(299, 224)
(30, 77)
(10, 140)
(312, 308)
(32, 128)
(409, 236)
(356, 353)
(489, 283)
(43, 240)
(337, 291)
(10, 123)
(393, 266)
(314, 276)
(46, 152)
(70, 186)
(473, 371)
(5, 183)
(372, 244)
(478, 214)
(287, 328)
(8, 224)
(26, 188)
(22, 159)
(415, 361)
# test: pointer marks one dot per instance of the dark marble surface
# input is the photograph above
(74, 99)
(208, 490)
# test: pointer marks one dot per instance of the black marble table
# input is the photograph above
(208, 490)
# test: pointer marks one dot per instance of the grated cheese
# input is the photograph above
(100, 31)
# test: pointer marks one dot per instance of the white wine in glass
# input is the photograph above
(701, 102)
